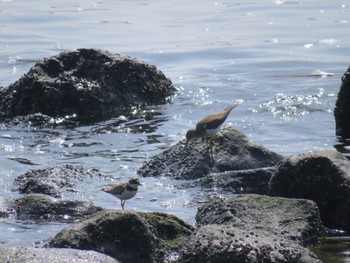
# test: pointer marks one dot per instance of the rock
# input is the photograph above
(254, 228)
(52, 255)
(253, 181)
(40, 207)
(53, 181)
(127, 236)
(86, 86)
(323, 177)
(342, 107)
(231, 151)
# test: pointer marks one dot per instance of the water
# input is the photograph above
(260, 53)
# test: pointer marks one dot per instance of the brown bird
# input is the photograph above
(124, 191)
(209, 125)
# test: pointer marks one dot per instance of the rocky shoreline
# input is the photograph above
(275, 209)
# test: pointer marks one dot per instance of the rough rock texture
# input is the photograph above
(40, 207)
(87, 85)
(253, 181)
(52, 255)
(231, 151)
(53, 181)
(342, 107)
(254, 228)
(323, 177)
(127, 236)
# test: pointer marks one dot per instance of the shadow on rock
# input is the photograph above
(252, 181)
(231, 151)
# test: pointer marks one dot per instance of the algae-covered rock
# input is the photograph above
(127, 236)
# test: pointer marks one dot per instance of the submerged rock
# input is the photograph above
(40, 207)
(323, 177)
(87, 85)
(232, 151)
(342, 107)
(53, 181)
(254, 228)
(127, 236)
(52, 255)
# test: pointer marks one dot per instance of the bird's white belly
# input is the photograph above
(212, 132)
(127, 195)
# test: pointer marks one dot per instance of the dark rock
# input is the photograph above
(52, 255)
(232, 151)
(87, 85)
(342, 107)
(53, 181)
(253, 181)
(40, 207)
(127, 236)
(253, 228)
(323, 177)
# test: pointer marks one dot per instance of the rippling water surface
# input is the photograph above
(282, 60)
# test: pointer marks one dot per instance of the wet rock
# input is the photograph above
(52, 255)
(254, 228)
(86, 86)
(53, 181)
(323, 177)
(253, 181)
(127, 236)
(231, 151)
(342, 107)
(40, 207)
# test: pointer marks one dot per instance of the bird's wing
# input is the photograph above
(117, 189)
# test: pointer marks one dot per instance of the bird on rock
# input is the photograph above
(209, 125)
(124, 191)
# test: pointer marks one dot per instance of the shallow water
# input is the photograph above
(270, 56)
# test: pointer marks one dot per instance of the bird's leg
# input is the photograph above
(122, 202)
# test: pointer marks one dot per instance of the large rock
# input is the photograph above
(40, 207)
(342, 107)
(52, 255)
(323, 177)
(253, 228)
(53, 181)
(127, 236)
(87, 85)
(231, 151)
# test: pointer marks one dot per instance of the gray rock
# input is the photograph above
(86, 86)
(342, 107)
(323, 177)
(53, 181)
(127, 236)
(52, 255)
(40, 207)
(231, 151)
(254, 228)
(253, 181)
